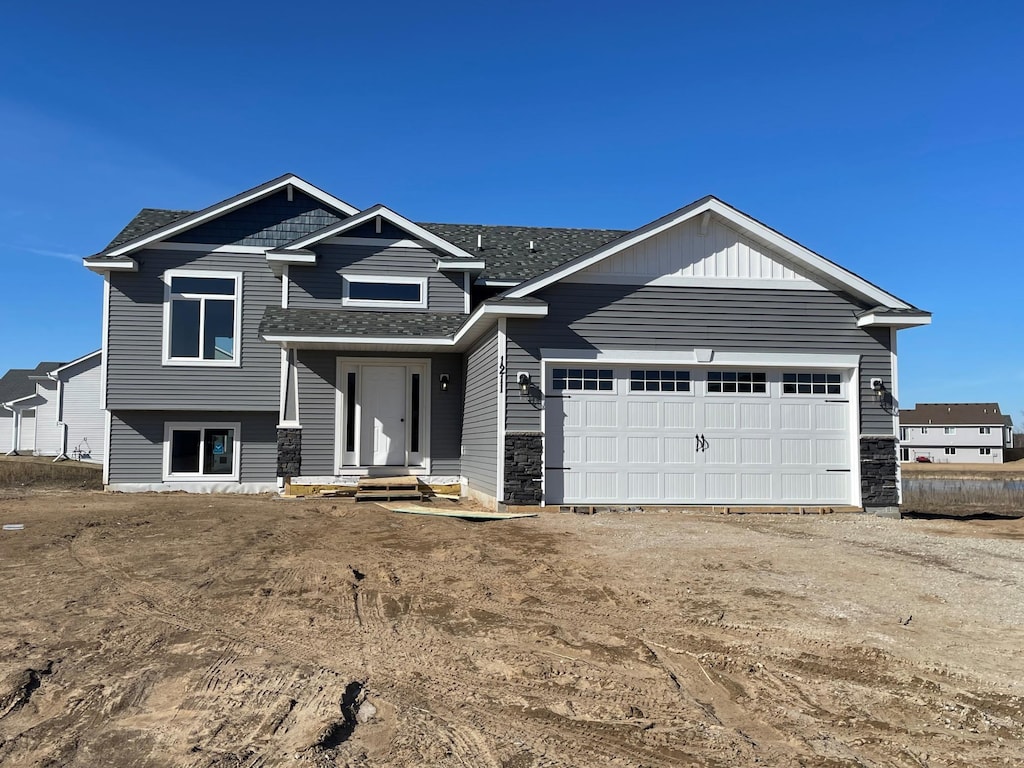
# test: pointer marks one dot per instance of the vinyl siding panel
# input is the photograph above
(480, 422)
(136, 444)
(81, 410)
(318, 401)
(48, 432)
(269, 222)
(664, 318)
(27, 432)
(319, 286)
(137, 379)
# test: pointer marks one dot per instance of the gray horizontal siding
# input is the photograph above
(480, 420)
(136, 377)
(319, 286)
(81, 411)
(136, 444)
(318, 402)
(272, 221)
(663, 318)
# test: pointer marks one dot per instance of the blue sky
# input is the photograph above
(888, 137)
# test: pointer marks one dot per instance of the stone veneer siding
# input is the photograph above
(289, 452)
(878, 472)
(524, 467)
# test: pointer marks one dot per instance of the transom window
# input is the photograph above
(811, 384)
(740, 382)
(659, 381)
(367, 291)
(201, 318)
(584, 379)
(199, 451)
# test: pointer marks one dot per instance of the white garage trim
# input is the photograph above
(848, 366)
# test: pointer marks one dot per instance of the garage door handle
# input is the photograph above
(703, 443)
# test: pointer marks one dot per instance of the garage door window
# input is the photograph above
(737, 382)
(659, 381)
(811, 384)
(582, 379)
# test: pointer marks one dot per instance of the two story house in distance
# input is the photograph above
(703, 358)
(969, 433)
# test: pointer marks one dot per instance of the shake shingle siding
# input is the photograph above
(480, 422)
(269, 222)
(137, 378)
(137, 440)
(319, 286)
(661, 319)
(318, 415)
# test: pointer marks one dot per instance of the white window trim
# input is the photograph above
(984, 430)
(630, 392)
(985, 451)
(384, 304)
(949, 430)
(236, 361)
(842, 385)
(707, 384)
(581, 392)
(950, 450)
(171, 426)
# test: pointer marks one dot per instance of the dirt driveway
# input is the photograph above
(223, 631)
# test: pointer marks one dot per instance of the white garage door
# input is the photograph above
(633, 435)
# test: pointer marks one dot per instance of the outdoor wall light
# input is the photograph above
(878, 388)
(524, 382)
(444, 379)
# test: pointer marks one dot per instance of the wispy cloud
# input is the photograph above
(43, 252)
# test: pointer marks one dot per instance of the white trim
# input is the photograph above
(385, 213)
(499, 283)
(817, 265)
(289, 370)
(285, 287)
(194, 487)
(107, 429)
(345, 365)
(202, 426)
(295, 257)
(54, 373)
(467, 287)
(236, 359)
(105, 341)
(348, 279)
(718, 358)
(894, 320)
(438, 341)
(682, 281)
(258, 250)
(231, 204)
(111, 265)
(382, 242)
(502, 383)
(894, 385)
(461, 265)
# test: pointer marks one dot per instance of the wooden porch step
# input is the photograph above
(388, 489)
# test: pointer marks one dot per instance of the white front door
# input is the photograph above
(383, 409)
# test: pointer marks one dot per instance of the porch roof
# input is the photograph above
(341, 322)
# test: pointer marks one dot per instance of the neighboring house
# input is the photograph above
(54, 409)
(703, 358)
(973, 433)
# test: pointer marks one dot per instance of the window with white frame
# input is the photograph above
(391, 291)
(949, 430)
(200, 451)
(644, 380)
(924, 430)
(985, 451)
(985, 430)
(739, 382)
(582, 379)
(903, 433)
(202, 317)
(950, 451)
(811, 383)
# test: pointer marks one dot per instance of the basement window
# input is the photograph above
(384, 292)
(197, 451)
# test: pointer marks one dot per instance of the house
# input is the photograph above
(703, 358)
(972, 433)
(54, 409)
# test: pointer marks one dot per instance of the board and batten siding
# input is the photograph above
(319, 286)
(663, 318)
(48, 431)
(137, 444)
(318, 402)
(136, 376)
(480, 419)
(81, 412)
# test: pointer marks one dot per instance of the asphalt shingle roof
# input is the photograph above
(16, 384)
(506, 250)
(953, 413)
(343, 322)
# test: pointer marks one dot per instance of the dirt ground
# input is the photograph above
(174, 630)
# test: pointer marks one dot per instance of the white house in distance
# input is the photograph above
(54, 410)
(970, 433)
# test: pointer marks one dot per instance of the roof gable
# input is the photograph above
(801, 260)
(287, 184)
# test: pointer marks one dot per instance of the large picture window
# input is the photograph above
(201, 451)
(201, 318)
(391, 291)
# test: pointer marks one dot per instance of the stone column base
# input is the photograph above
(878, 484)
(524, 468)
(289, 452)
